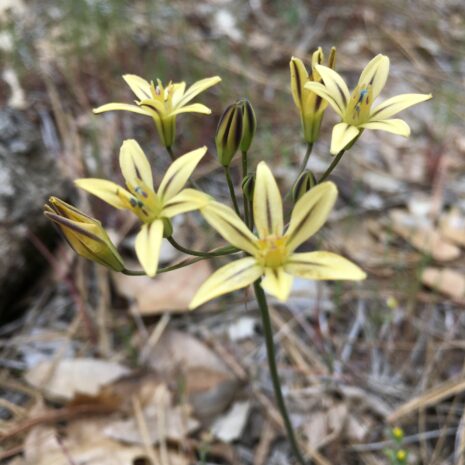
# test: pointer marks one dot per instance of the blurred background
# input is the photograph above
(106, 369)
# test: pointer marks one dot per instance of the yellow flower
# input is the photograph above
(310, 105)
(272, 251)
(154, 209)
(163, 104)
(84, 234)
(356, 109)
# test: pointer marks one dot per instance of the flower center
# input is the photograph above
(358, 109)
(272, 251)
(144, 202)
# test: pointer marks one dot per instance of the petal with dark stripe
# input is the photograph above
(343, 134)
(267, 203)
(310, 213)
(179, 172)
(278, 283)
(229, 278)
(323, 265)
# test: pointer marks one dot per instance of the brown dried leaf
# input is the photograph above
(446, 281)
(167, 292)
(64, 379)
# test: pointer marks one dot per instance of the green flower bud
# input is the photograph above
(84, 234)
(229, 134)
(248, 186)
(249, 124)
(311, 107)
(303, 184)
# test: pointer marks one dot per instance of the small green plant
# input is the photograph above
(397, 454)
(263, 238)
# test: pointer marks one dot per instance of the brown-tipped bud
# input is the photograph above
(249, 124)
(229, 134)
(303, 184)
(248, 186)
(84, 234)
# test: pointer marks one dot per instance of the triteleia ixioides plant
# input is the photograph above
(356, 109)
(163, 103)
(267, 251)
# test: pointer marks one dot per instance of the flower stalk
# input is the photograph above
(271, 355)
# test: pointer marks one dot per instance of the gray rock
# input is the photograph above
(28, 176)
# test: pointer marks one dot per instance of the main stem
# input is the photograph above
(227, 174)
(333, 164)
(306, 157)
(268, 331)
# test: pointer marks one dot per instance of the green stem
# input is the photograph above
(331, 167)
(171, 153)
(244, 164)
(213, 253)
(268, 332)
(306, 157)
(176, 266)
(227, 173)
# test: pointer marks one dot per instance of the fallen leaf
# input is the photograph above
(452, 227)
(424, 238)
(446, 281)
(176, 427)
(171, 291)
(230, 426)
(64, 379)
(207, 381)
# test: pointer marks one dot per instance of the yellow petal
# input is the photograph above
(395, 126)
(310, 213)
(267, 203)
(138, 85)
(178, 92)
(299, 76)
(375, 74)
(229, 278)
(198, 87)
(178, 173)
(343, 134)
(121, 106)
(322, 91)
(335, 85)
(394, 105)
(108, 191)
(187, 200)
(230, 226)
(278, 283)
(323, 265)
(134, 164)
(193, 108)
(148, 243)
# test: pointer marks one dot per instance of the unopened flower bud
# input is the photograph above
(84, 234)
(249, 124)
(229, 134)
(248, 186)
(310, 105)
(303, 184)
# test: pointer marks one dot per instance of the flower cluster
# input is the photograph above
(269, 249)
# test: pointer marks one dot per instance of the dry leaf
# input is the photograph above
(207, 381)
(229, 427)
(423, 237)
(446, 281)
(452, 227)
(177, 426)
(171, 291)
(64, 379)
